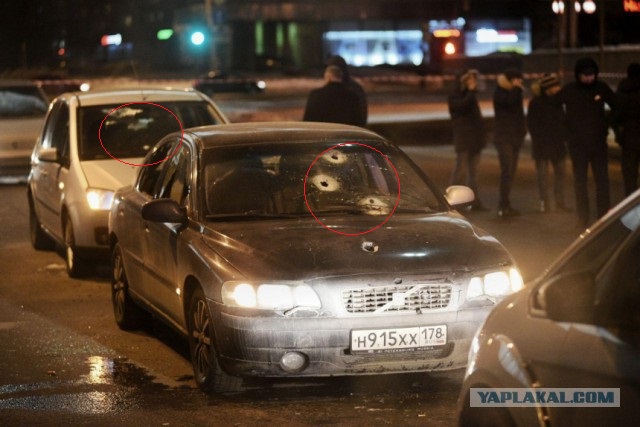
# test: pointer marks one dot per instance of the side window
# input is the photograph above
(149, 174)
(174, 183)
(60, 135)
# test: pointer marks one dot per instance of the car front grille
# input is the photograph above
(397, 298)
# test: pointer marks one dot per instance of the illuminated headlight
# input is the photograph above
(99, 199)
(269, 296)
(261, 84)
(495, 284)
(85, 87)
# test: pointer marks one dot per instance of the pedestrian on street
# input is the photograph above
(334, 102)
(627, 122)
(363, 108)
(468, 133)
(584, 103)
(509, 130)
(546, 124)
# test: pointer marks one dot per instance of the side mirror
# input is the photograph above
(48, 155)
(459, 196)
(164, 210)
(569, 298)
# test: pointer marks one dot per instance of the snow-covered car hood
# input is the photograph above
(110, 174)
(303, 249)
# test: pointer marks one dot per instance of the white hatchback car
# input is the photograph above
(23, 106)
(92, 144)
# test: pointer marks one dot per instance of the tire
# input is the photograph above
(207, 371)
(128, 315)
(40, 240)
(485, 417)
(76, 267)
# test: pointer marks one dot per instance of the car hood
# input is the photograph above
(304, 249)
(110, 174)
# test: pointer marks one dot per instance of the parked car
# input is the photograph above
(93, 143)
(215, 82)
(286, 250)
(575, 327)
(23, 106)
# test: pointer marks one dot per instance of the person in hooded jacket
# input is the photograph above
(363, 109)
(584, 102)
(509, 130)
(468, 133)
(334, 102)
(627, 121)
(545, 121)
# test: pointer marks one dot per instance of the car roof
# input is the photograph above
(122, 96)
(283, 131)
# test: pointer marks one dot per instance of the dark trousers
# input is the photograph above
(598, 159)
(629, 162)
(542, 170)
(465, 171)
(508, 155)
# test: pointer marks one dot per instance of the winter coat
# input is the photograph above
(587, 121)
(545, 121)
(627, 117)
(333, 103)
(466, 120)
(509, 126)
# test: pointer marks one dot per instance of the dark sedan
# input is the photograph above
(216, 82)
(301, 249)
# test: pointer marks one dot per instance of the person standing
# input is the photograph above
(468, 133)
(509, 130)
(334, 102)
(584, 102)
(627, 120)
(545, 121)
(363, 108)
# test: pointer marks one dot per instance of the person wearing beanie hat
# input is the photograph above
(627, 126)
(509, 130)
(363, 108)
(545, 121)
(468, 133)
(587, 122)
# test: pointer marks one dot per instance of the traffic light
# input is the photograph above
(197, 38)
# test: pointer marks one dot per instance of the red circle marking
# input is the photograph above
(341, 232)
(141, 164)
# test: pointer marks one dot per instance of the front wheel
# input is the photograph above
(207, 371)
(76, 267)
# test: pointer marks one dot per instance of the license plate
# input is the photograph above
(398, 339)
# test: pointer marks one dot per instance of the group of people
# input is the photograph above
(570, 119)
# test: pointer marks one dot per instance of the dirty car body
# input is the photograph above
(310, 250)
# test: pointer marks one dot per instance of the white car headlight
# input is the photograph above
(99, 199)
(495, 284)
(269, 296)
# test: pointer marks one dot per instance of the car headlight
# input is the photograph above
(269, 296)
(99, 199)
(495, 284)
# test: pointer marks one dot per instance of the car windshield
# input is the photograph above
(22, 101)
(275, 180)
(129, 131)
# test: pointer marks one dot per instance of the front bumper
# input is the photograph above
(255, 346)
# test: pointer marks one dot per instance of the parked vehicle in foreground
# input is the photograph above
(301, 249)
(23, 106)
(93, 143)
(575, 327)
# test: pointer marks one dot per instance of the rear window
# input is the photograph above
(132, 130)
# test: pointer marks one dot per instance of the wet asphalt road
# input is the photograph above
(63, 361)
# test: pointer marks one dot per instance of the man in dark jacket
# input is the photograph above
(545, 120)
(468, 133)
(584, 101)
(340, 62)
(334, 102)
(627, 121)
(509, 130)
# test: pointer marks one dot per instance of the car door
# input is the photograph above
(50, 174)
(161, 239)
(602, 349)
